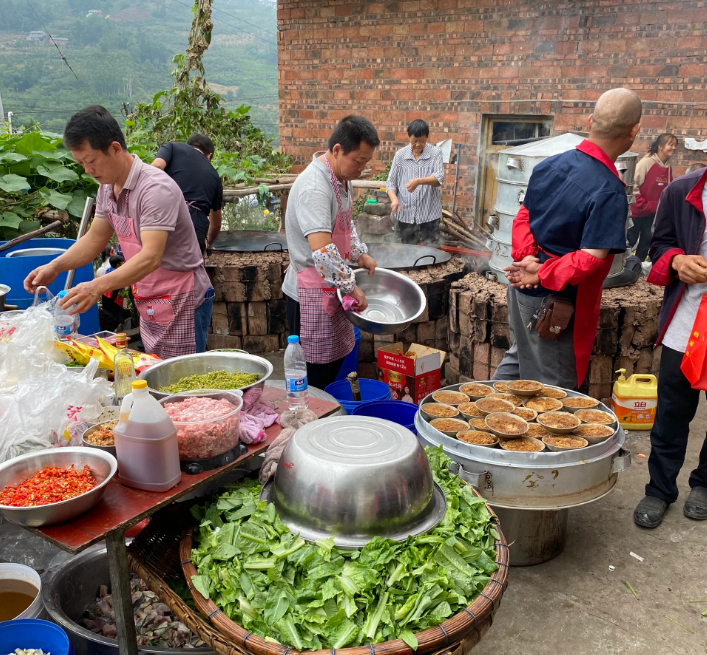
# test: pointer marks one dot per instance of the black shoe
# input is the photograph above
(649, 512)
(696, 504)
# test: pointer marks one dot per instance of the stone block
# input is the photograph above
(219, 308)
(646, 333)
(215, 341)
(608, 318)
(276, 290)
(274, 274)
(481, 307)
(218, 291)
(465, 378)
(277, 316)
(234, 292)
(451, 374)
(424, 317)
(257, 313)
(453, 361)
(381, 340)
(497, 355)
(601, 369)
(454, 310)
(219, 324)
(261, 343)
(257, 290)
(481, 330)
(441, 328)
(482, 353)
(480, 371)
(466, 358)
(466, 325)
(372, 224)
(368, 370)
(408, 335)
(455, 341)
(230, 273)
(379, 209)
(237, 318)
(283, 340)
(254, 274)
(624, 361)
(366, 336)
(492, 372)
(600, 391)
(606, 342)
(365, 351)
(465, 298)
(499, 312)
(501, 335)
(442, 344)
(426, 331)
(645, 361)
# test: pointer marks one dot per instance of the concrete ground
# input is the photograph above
(575, 604)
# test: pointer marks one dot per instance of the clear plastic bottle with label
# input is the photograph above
(65, 324)
(295, 373)
(146, 443)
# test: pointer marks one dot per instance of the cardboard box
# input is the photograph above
(410, 378)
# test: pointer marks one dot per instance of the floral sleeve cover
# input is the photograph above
(331, 266)
(358, 248)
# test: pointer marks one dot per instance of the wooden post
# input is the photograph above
(283, 208)
(122, 596)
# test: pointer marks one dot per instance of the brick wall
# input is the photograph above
(452, 61)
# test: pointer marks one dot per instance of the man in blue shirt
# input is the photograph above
(572, 222)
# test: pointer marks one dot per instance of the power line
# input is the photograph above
(61, 54)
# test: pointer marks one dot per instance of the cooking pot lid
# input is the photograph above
(359, 441)
(250, 241)
(398, 256)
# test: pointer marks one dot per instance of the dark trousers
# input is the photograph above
(318, 375)
(413, 233)
(677, 404)
(640, 233)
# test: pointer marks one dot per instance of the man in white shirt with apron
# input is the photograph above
(322, 243)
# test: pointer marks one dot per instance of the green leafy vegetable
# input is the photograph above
(314, 595)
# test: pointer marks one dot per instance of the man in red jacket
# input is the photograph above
(572, 221)
(679, 254)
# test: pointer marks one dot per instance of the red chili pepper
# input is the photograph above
(51, 485)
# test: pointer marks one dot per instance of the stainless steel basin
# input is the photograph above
(36, 252)
(354, 477)
(394, 301)
(71, 587)
(172, 370)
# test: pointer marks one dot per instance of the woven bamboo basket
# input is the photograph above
(457, 635)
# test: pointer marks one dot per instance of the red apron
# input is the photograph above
(164, 299)
(325, 333)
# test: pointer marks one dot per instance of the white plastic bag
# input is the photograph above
(48, 404)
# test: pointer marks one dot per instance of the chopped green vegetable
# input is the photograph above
(315, 595)
(213, 380)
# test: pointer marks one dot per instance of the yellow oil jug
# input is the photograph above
(634, 400)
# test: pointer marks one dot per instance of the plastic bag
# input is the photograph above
(32, 327)
(49, 404)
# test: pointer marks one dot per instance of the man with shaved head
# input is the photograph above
(572, 222)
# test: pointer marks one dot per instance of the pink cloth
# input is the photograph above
(255, 417)
(350, 304)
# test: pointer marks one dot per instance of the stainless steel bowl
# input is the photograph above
(95, 428)
(354, 477)
(71, 586)
(102, 465)
(394, 301)
(36, 252)
(172, 370)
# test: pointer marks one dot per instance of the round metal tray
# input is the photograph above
(400, 256)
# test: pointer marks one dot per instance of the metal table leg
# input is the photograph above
(120, 589)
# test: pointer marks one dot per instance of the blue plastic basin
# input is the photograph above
(396, 411)
(33, 633)
(370, 390)
(350, 363)
(14, 270)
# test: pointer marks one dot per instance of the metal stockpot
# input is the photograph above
(537, 481)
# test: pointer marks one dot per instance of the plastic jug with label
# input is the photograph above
(634, 400)
(146, 443)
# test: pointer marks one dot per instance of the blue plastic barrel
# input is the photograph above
(14, 270)
(33, 633)
(396, 411)
(370, 390)
(350, 363)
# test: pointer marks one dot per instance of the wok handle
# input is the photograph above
(274, 243)
(434, 259)
(621, 461)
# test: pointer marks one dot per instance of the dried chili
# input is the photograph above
(51, 485)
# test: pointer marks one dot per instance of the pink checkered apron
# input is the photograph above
(164, 299)
(325, 333)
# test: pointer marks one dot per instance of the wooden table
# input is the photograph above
(123, 507)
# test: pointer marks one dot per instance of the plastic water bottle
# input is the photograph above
(295, 373)
(65, 325)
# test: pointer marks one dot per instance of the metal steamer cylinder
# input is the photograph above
(515, 166)
(532, 492)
